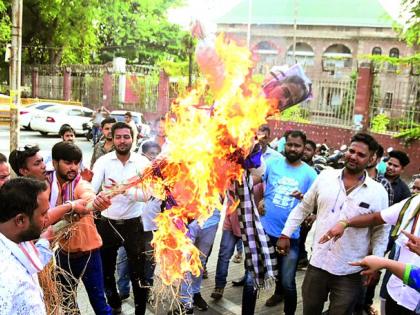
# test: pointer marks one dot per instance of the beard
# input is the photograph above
(33, 232)
(123, 150)
(293, 157)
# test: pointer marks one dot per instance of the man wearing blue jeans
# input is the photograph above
(203, 239)
(285, 179)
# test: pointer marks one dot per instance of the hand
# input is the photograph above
(48, 234)
(283, 245)
(413, 243)
(297, 194)
(101, 202)
(261, 208)
(371, 265)
(310, 219)
(335, 233)
(87, 174)
(79, 206)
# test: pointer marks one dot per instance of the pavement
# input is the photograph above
(230, 304)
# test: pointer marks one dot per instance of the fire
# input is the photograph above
(205, 145)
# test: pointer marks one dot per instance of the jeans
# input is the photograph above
(96, 134)
(203, 239)
(88, 267)
(227, 247)
(239, 246)
(123, 272)
(286, 276)
(128, 233)
(343, 292)
(249, 295)
(285, 284)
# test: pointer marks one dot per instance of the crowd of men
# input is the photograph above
(356, 211)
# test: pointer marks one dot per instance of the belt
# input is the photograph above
(76, 254)
(123, 221)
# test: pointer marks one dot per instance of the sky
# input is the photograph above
(207, 11)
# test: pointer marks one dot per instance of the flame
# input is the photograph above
(205, 147)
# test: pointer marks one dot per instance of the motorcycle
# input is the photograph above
(87, 130)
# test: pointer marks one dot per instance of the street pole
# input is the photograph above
(15, 72)
(248, 33)
(295, 29)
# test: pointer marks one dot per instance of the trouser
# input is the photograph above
(343, 292)
(203, 239)
(123, 272)
(286, 275)
(127, 233)
(249, 295)
(227, 247)
(149, 264)
(304, 230)
(88, 267)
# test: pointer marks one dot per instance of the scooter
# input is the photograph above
(87, 130)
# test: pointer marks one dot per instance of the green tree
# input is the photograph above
(64, 32)
(4, 24)
(410, 31)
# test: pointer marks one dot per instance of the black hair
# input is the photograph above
(380, 151)
(20, 195)
(297, 134)
(147, 145)
(128, 114)
(366, 139)
(311, 143)
(65, 128)
(265, 128)
(3, 158)
(121, 125)
(109, 120)
(400, 156)
(66, 151)
(18, 157)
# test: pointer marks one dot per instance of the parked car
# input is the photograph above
(51, 119)
(142, 126)
(27, 112)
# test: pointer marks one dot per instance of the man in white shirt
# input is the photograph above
(23, 216)
(404, 216)
(121, 223)
(339, 195)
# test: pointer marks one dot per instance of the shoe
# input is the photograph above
(199, 302)
(239, 282)
(217, 293)
(115, 311)
(205, 274)
(124, 296)
(182, 310)
(237, 258)
(274, 300)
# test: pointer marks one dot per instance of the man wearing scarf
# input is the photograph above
(23, 215)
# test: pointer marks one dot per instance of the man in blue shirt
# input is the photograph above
(285, 179)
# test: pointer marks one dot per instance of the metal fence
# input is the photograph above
(395, 104)
(87, 85)
(332, 104)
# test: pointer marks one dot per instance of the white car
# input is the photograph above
(142, 126)
(27, 112)
(51, 119)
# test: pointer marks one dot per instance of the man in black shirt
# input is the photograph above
(398, 160)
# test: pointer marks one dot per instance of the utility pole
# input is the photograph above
(248, 33)
(295, 29)
(15, 72)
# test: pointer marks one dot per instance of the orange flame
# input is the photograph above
(202, 150)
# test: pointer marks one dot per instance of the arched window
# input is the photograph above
(268, 55)
(377, 51)
(304, 54)
(265, 46)
(337, 56)
(394, 52)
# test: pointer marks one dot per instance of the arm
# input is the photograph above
(371, 264)
(380, 233)
(98, 175)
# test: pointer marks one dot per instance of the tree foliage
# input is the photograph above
(410, 31)
(84, 31)
(4, 24)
